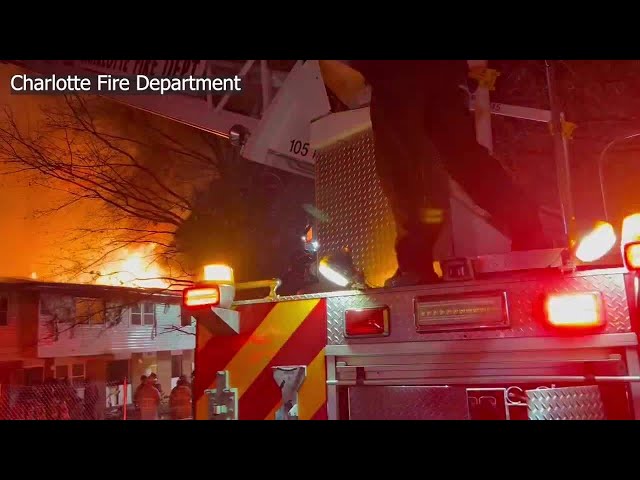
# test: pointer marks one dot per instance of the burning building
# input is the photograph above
(76, 332)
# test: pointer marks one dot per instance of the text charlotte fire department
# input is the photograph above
(127, 85)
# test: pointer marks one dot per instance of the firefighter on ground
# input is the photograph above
(180, 400)
(147, 397)
(423, 133)
(153, 379)
(143, 380)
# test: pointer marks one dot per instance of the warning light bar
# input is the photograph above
(575, 310)
(200, 297)
(367, 322)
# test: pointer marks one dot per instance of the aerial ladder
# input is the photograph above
(536, 335)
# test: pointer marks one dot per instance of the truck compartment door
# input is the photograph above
(408, 403)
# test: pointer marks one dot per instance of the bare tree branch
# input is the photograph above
(140, 176)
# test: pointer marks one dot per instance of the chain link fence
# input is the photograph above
(60, 400)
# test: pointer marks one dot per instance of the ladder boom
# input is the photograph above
(286, 148)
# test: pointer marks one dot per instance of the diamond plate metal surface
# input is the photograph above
(522, 296)
(408, 403)
(571, 403)
(348, 191)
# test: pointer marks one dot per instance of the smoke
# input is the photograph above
(28, 242)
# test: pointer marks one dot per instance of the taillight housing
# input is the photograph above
(367, 322)
(575, 311)
(632, 255)
(201, 296)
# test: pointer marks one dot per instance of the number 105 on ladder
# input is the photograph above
(300, 149)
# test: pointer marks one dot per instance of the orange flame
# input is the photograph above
(135, 269)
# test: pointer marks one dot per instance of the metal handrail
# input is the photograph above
(494, 379)
(561, 154)
(272, 285)
(601, 161)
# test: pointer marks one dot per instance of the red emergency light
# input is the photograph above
(632, 255)
(201, 296)
(581, 310)
(367, 322)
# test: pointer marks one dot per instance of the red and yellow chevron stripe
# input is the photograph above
(274, 334)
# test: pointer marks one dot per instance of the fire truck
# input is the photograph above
(545, 334)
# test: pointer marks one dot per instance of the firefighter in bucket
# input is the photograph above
(424, 133)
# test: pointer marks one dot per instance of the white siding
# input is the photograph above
(81, 340)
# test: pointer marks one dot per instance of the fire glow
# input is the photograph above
(135, 269)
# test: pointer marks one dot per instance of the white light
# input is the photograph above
(218, 273)
(330, 274)
(597, 243)
(631, 228)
